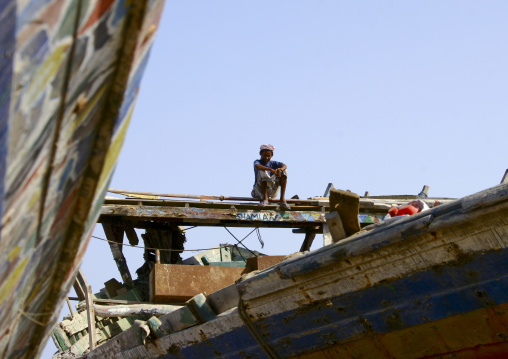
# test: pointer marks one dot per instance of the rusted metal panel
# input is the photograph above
(263, 262)
(178, 283)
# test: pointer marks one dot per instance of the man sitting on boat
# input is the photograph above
(269, 177)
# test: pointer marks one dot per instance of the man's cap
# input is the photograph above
(267, 147)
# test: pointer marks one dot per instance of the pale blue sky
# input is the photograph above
(384, 96)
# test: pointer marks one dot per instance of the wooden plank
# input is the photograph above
(69, 305)
(308, 240)
(347, 205)
(257, 217)
(91, 318)
(327, 236)
(335, 226)
(115, 234)
(130, 233)
(131, 310)
(80, 285)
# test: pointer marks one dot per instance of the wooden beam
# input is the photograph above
(205, 216)
(90, 314)
(69, 305)
(307, 242)
(82, 304)
(130, 310)
(347, 205)
(114, 235)
(335, 226)
(80, 285)
(130, 233)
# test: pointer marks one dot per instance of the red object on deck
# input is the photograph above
(402, 210)
(407, 209)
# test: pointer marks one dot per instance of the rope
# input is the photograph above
(253, 330)
(160, 249)
(240, 242)
(259, 238)
(30, 316)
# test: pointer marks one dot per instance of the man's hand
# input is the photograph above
(278, 172)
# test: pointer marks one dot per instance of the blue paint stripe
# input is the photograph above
(423, 297)
(238, 343)
(417, 299)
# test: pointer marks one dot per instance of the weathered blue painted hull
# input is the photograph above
(429, 285)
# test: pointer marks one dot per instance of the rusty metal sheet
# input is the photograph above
(178, 283)
(263, 262)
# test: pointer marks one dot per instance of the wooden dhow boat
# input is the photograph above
(430, 285)
(69, 76)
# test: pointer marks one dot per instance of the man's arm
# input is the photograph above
(276, 172)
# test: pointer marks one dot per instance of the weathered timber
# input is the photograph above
(91, 318)
(114, 234)
(310, 235)
(130, 233)
(130, 310)
(156, 195)
(155, 198)
(69, 305)
(335, 226)
(110, 301)
(80, 285)
(200, 308)
(210, 216)
(347, 204)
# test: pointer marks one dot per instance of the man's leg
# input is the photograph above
(262, 189)
(264, 192)
(283, 182)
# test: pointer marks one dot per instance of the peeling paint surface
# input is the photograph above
(65, 63)
(434, 285)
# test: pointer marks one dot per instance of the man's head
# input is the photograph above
(266, 152)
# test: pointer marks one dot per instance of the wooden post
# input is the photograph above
(328, 188)
(131, 233)
(80, 285)
(424, 192)
(114, 234)
(69, 305)
(335, 226)
(307, 242)
(90, 314)
(505, 177)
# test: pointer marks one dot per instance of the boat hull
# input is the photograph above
(431, 285)
(69, 78)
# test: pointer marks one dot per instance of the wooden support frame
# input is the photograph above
(90, 315)
(114, 234)
(80, 285)
(310, 235)
(130, 233)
